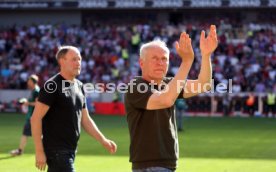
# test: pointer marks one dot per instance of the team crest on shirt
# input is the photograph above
(66, 91)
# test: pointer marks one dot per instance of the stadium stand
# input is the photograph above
(246, 52)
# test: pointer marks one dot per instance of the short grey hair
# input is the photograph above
(154, 43)
(62, 51)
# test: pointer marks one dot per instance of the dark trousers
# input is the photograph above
(60, 161)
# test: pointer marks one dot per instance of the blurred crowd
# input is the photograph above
(246, 52)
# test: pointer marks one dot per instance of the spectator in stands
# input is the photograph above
(246, 52)
(271, 104)
(32, 85)
(226, 103)
(250, 103)
(252, 45)
(237, 105)
(181, 107)
(1, 106)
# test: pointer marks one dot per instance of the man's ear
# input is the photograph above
(61, 61)
(141, 62)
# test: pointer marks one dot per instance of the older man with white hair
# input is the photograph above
(150, 112)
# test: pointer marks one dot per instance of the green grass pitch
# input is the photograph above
(206, 145)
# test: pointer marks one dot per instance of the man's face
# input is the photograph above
(30, 84)
(71, 63)
(155, 63)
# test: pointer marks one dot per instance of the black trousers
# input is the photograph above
(60, 161)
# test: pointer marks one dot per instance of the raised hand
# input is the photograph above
(184, 47)
(209, 44)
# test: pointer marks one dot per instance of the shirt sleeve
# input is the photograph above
(36, 93)
(138, 99)
(84, 106)
(180, 96)
(46, 97)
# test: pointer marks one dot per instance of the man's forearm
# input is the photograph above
(173, 86)
(37, 133)
(31, 103)
(91, 128)
(205, 75)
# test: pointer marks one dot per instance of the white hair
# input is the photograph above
(154, 43)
